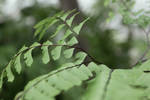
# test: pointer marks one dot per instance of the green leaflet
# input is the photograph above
(85, 70)
(48, 20)
(1, 79)
(80, 56)
(95, 90)
(28, 58)
(93, 67)
(10, 75)
(46, 28)
(55, 80)
(41, 23)
(56, 52)
(68, 53)
(82, 76)
(45, 53)
(46, 87)
(28, 55)
(58, 29)
(69, 21)
(67, 14)
(34, 94)
(72, 41)
(17, 64)
(69, 77)
(37, 31)
(78, 27)
(42, 26)
(68, 33)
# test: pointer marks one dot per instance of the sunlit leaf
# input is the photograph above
(45, 53)
(10, 75)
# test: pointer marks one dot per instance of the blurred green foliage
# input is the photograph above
(99, 40)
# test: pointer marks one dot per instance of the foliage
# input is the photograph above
(129, 84)
(140, 17)
(104, 83)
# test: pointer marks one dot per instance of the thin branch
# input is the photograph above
(147, 39)
(70, 28)
(40, 45)
(146, 51)
(92, 58)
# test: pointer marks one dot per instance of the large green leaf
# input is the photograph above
(120, 84)
(96, 90)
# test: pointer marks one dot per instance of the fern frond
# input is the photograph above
(121, 84)
(67, 42)
(140, 17)
(42, 26)
(55, 52)
(52, 84)
(27, 51)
